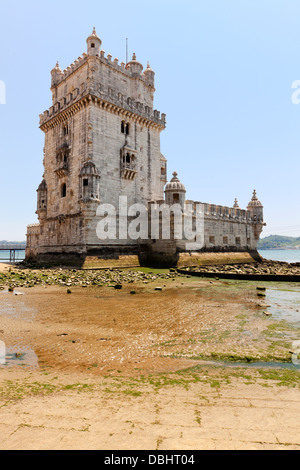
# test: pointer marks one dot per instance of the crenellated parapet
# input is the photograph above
(33, 229)
(106, 96)
(212, 211)
(133, 69)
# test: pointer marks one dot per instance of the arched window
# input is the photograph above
(63, 190)
(125, 128)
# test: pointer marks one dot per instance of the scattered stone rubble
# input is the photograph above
(17, 277)
(266, 267)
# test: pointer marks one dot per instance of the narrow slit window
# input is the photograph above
(63, 190)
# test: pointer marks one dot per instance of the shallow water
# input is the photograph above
(122, 318)
(253, 365)
(284, 305)
(17, 355)
(11, 304)
(289, 256)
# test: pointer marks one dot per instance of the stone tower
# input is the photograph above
(102, 141)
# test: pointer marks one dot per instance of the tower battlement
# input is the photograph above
(127, 86)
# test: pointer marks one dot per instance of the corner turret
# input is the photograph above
(42, 200)
(149, 76)
(94, 44)
(175, 191)
(56, 75)
(256, 209)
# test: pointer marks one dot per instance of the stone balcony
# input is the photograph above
(62, 170)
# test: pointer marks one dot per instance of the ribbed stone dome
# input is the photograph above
(175, 184)
(134, 66)
(254, 201)
(42, 186)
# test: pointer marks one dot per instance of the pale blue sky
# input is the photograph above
(224, 74)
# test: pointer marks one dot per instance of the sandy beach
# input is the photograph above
(161, 364)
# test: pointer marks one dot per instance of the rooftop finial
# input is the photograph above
(236, 204)
(254, 201)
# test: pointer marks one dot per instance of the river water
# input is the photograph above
(4, 255)
(290, 256)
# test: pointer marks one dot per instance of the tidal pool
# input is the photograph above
(284, 305)
(17, 355)
(11, 304)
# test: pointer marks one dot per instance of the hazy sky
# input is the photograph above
(224, 75)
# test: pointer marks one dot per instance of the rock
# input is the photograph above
(158, 288)
(18, 355)
(118, 286)
(69, 291)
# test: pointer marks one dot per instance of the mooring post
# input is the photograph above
(12, 256)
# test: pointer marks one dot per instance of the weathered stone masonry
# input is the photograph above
(102, 141)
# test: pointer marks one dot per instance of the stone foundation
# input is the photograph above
(122, 257)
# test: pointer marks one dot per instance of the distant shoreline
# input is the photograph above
(279, 249)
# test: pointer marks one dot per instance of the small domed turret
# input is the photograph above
(256, 207)
(149, 75)
(94, 44)
(42, 200)
(56, 75)
(175, 191)
(134, 66)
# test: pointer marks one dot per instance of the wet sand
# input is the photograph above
(102, 368)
